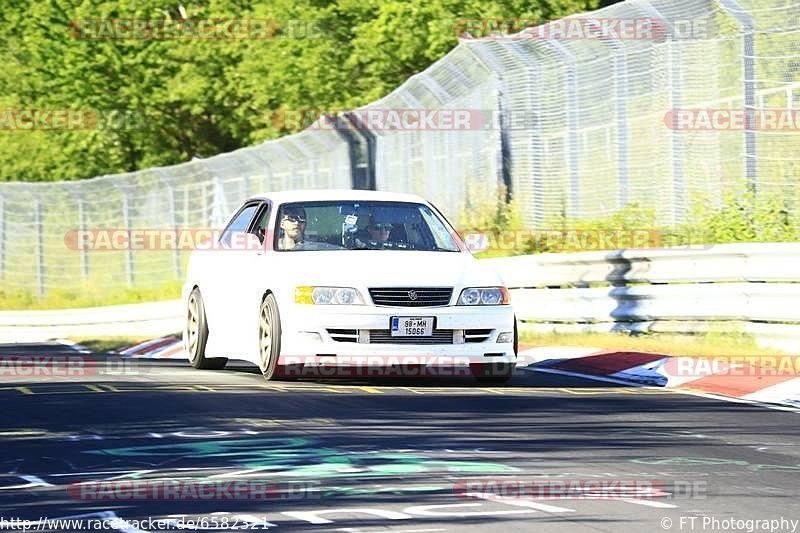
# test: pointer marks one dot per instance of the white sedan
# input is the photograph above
(346, 283)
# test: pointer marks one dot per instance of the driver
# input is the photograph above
(293, 227)
(379, 231)
(374, 235)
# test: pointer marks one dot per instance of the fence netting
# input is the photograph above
(572, 126)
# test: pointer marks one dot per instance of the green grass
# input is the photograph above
(107, 344)
(708, 344)
(87, 296)
(701, 344)
(489, 254)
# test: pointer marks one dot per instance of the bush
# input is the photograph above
(741, 218)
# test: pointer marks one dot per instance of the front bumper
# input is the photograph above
(341, 335)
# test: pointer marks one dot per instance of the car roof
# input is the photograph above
(311, 195)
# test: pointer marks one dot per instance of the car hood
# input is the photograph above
(376, 268)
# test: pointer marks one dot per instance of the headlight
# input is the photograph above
(483, 296)
(327, 296)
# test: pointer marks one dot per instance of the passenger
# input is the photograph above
(293, 227)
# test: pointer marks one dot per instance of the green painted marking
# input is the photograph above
(295, 457)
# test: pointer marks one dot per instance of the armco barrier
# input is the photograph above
(577, 125)
(750, 288)
(135, 320)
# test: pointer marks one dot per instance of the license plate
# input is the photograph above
(412, 326)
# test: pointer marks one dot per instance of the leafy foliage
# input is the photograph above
(746, 217)
(163, 102)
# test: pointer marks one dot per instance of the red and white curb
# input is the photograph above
(161, 348)
(735, 380)
(640, 369)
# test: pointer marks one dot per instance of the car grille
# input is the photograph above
(384, 336)
(476, 335)
(399, 296)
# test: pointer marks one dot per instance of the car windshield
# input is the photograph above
(349, 225)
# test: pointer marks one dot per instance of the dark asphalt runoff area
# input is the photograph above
(97, 441)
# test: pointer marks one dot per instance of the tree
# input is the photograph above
(161, 102)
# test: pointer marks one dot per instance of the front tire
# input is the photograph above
(196, 335)
(269, 336)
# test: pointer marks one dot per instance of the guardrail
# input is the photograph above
(576, 124)
(750, 288)
(135, 320)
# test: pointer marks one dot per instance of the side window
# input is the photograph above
(260, 228)
(439, 232)
(240, 223)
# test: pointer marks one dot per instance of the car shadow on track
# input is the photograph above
(43, 362)
(521, 378)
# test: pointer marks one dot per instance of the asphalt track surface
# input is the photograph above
(362, 456)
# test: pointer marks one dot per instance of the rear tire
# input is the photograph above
(196, 335)
(269, 336)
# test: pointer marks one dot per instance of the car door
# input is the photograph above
(222, 280)
(244, 289)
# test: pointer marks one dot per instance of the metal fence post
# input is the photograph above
(361, 179)
(173, 226)
(40, 272)
(81, 229)
(2, 238)
(185, 197)
(675, 81)
(374, 165)
(733, 9)
(481, 52)
(173, 223)
(267, 168)
(573, 120)
(218, 209)
(620, 66)
(537, 152)
(246, 186)
(126, 221)
(676, 136)
(205, 213)
(412, 101)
